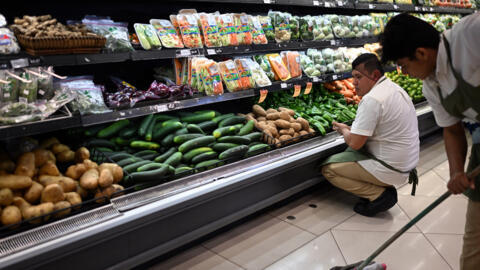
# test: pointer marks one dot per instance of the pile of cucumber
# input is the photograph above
(164, 145)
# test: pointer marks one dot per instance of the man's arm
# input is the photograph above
(354, 141)
(456, 147)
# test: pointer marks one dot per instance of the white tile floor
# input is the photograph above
(331, 234)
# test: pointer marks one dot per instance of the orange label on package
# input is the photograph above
(298, 88)
(308, 88)
(263, 95)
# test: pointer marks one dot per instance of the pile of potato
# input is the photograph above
(34, 186)
(279, 124)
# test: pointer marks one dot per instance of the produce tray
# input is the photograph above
(60, 45)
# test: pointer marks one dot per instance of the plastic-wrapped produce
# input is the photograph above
(147, 36)
(244, 73)
(189, 28)
(292, 61)
(322, 28)
(116, 33)
(267, 26)
(261, 79)
(306, 27)
(342, 26)
(278, 66)
(88, 96)
(9, 90)
(167, 33)
(363, 26)
(294, 28)
(210, 30)
(244, 33)
(27, 89)
(308, 66)
(265, 65)
(319, 62)
(257, 31)
(229, 74)
(8, 42)
(227, 30)
(197, 79)
(212, 80)
(281, 23)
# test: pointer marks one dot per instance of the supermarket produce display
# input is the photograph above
(112, 157)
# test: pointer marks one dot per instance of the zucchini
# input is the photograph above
(204, 156)
(160, 132)
(165, 155)
(113, 129)
(184, 169)
(150, 166)
(234, 139)
(232, 121)
(257, 149)
(238, 151)
(199, 117)
(247, 128)
(146, 121)
(124, 162)
(186, 137)
(219, 132)
(254, 136)
(120, 156)
(209, 164)
(192, 128)
(195, 143)
(100, 143)
(220, 147)
(192, 153)
(174, 159)
(221, 117)
(144, 145)
(147, 176)
(134, 166)
(208, 125)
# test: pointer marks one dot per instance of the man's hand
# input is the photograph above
(459, 182)
(339, 127)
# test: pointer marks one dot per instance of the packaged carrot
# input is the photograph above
(211, 78)
(278, 66)
(230, 75)
(244, 73)
(227, 30)
(189, 29)
(173, 20)
(184, 70)
(292, 61)
(257, 30)
(210, 30)
(244, 33)
(178, 71)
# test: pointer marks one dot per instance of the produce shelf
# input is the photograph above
(411, 8)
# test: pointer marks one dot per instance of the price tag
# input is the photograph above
(332, 42)
(315, 79)
(431, 9)
(340, 3)
(3, 66)
(159, 108)
(25, 92)
(184, 52)
(334, 77)
(316, 3)
(263, 95)
(425, 9)
(395, 7)
(298, 89)
(6, 95)
(370, 6)
(41, 92)
(327, 4)
(266, 1)
(283, 85)
(417, 8)
(19, 63)
(35, 61)
(308, 88)
(211, 51)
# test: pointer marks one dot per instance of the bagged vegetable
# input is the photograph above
(292, 60)
(230, 75)
(45, 86)
(322, 28)
(9, 90)
(244, 73)
(210, 30)
(227, 30)
(306, 28)
(342, 26)
(267, 26)
(147, 36)
(281, 23)
(308, 66)
(27, 90)
(199, 63)
(257, 31)
(167, 33)
(244, 33)
(258, 75)
(294, 26)
(319, 62)
(265, 65)
(278, 66)
(212, 80)
(88, 96)
(189, 29)
(116, 33)
(8, 42)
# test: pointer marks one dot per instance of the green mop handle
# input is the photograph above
(427, 210)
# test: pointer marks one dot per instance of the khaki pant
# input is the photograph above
(470, 259)
(352, 177)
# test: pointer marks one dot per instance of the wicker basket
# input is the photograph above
(58, 45)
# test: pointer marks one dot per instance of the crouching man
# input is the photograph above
(383, 141)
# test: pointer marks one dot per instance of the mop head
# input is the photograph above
(371, 266)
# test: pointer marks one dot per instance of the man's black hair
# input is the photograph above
(403, 34)
(370, 61)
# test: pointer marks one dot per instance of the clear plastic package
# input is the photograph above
(244, 33)
(230, 77)
(167, 33)
(190, 32)
(257, 31)
(267, 27)
(244, 74)
(210, 30)
(227, 30)
(261, 79)
(147, 36)
(278, 66)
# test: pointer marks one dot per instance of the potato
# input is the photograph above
(15, 182)
(99, 196)
(310, 130)
(82, 154)
(59, 148)
(261, 118)
(283, 132)
(108, 191)
(73, 198)
(303, 133)
(11, 215)
(304, 123)
(7, 165)
(296, 134)
(291, 132)
(6, 196)
(52, 193)
(105, 178)
(76, 171)
(272, 130)
(46, 144)
(116, 171)
(285, 116)
(37, 211)
(66, 156)
(289, 111)
(273, 116)
(277, 141)
(59, 206)
(259, 111)
(34, 192)
(90, 164)
(89, 179)
(42, 156)
(117, 192)
(285, 138)
(67, 183)
(81, 191)
(296, 126)
(271, 110)
(20, 203)
(26, 165)
(49, 168)
(282, 123)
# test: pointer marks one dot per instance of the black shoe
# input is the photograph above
(386, 201)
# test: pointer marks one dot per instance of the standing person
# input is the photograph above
(449, 65)
(383, 140)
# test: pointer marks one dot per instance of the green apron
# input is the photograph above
(464, 97)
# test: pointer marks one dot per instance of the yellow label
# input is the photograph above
(263, 95)
(298, 88)
(308, 88)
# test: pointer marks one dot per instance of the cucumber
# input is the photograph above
(168, 122)
(121, 141)
(128, 132)
(257, 149)
(92, 131)
(221, 117)
(146, 121)
(234, 139)
(199, 117)
(254, 143)
(232, 121)
(104, 149)
(149, 133)
(238, 151)
(184, 169)
(164, 117)
(219, 132)
(205, 111)
(150, 156)
(204, 156)
(181, 165)
(124, 162)
(120, 156)
(181, 131)
(144, 152)
(134, 166)
(160, 132)
(238, 127)
(113, 129)
(150, 166)
(220, 147)
(254, 136)
(247, 128)
(192, 128)
(147, 176)
(209, 164)
(144, 145)
(195, 143)
(174, 159)
(186, 137)
(168, 140)
(193, 153)
(208, 125)
(100, 143)
(165, 155)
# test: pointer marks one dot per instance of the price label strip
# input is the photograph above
(298, 88)
(308, 88)
(263, 95)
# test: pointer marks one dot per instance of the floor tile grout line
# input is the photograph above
(221, 256)
(338, 246)
(439, 253)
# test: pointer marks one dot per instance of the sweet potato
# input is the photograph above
(262, 118)
(26, 165)
(48, 143)
(52, 193)
(6, 196)
(273, 116)
(310, 130)
(15, 182)
(296, 126)
(105, 178)
(89, 179)
(284, 138)
(34, 192)
(59, 148)
(285, 116)
(11, 215)
(49, 168)
(289, 111)
(282, 124)
(259, 111)
(291, 132)
(42, 156)
(108, 191)
(250, 116)
(271, 110)
(59, 206)
(67, 183)
(117, 171)
(76, 171)
(82, 154)
(66, 156)
(303, 132)
(283, 132)
(304, 123)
